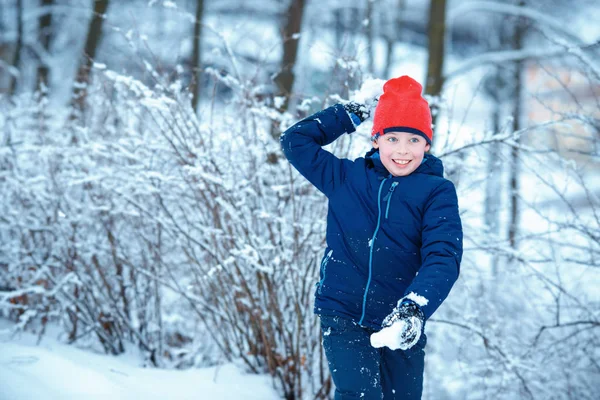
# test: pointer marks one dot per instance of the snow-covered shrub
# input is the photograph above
(188, 236)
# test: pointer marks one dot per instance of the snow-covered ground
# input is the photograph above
(54, 370)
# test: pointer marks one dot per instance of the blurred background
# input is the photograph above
(147, 208)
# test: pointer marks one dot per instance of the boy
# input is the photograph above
(394, 241)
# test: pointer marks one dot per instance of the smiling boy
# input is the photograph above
(401, 152)
(394, 241)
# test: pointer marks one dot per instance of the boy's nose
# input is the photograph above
(402, 149)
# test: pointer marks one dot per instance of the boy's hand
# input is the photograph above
(401, 329)
(360, 110)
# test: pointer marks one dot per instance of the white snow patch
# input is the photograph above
(278, 101)
(370, 89)
(55, 371)
(420, 300)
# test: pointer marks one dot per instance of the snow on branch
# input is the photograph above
(502, 8)
(499, 57)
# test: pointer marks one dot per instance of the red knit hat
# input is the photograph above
(401, 108)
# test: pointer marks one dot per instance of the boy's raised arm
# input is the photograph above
(441, 249)
(302, 142)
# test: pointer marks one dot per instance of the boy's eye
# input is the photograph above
(392, 139)
(414, 140)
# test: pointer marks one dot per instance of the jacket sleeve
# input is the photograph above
(302, 143)
(441, 250)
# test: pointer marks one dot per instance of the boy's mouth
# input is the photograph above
(401, 163)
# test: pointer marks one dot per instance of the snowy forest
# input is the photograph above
(147, 208)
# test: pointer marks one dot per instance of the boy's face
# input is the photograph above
(401, 152)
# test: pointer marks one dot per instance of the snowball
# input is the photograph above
(391, 336)
(370, 89)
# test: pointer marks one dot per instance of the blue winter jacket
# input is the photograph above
(386, 236)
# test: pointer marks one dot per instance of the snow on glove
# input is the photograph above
(401, 329)
(358, 110)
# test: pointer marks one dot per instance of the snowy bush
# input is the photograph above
(144, 224)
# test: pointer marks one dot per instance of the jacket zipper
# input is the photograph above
(372, 245)
(388, 198)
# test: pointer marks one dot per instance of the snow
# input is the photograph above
(370, 89)
(392, 335)
(54, 370)
(278, 101)
(99, 65)
(420, 300)
(500, 57)
(501, 8)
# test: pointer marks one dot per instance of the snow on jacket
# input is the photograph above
(386, 236)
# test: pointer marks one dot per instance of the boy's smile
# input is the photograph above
(401, 152)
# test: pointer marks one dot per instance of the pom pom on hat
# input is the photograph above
(402, 108)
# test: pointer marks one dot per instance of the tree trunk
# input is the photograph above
(519, 33)
(393, 37)
(435, 65)
(196, 55)
(45, 35)
(499, 89)
(18, 47)
(291, 31)
(91, 45)
(369, 35)
(493, 184)
(338, 26)
(156, 270)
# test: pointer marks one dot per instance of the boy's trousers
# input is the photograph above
(361, 371)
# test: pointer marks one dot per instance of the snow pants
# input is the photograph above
(360, 371)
